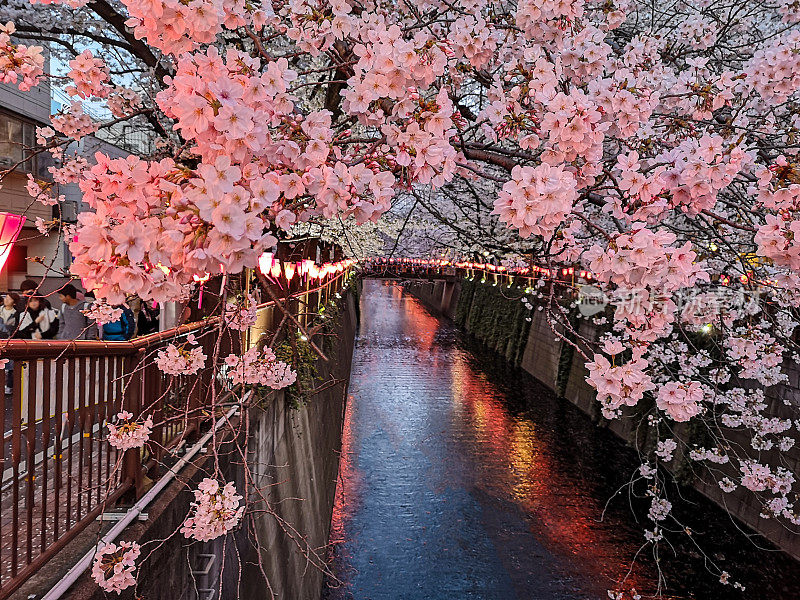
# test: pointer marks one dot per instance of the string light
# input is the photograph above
(570, 273)
(269, 266)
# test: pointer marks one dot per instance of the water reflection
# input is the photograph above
(461, 478)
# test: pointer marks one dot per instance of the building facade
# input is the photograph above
(20, 114)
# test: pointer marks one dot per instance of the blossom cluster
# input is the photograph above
(19, 64)
(618, 385)
(659, 509)
(758, 353)
(74, 122)
(42, 191)
(70, 170)
(316, 24)
(639, 263)
(215, 511)
(102, 312)
(241, 317)
(90, 76)
(220, 213)
(177, 27)
(260, 367)
(774, 70)
(129, 433)
(174, 360)
(537, 199)
(114, 566)
(680, 401)
(122, 101)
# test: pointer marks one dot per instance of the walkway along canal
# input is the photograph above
(462, 477)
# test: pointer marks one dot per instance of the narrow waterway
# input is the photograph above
(463, 478)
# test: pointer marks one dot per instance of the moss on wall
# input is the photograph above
(303, 359)
(464, 302)
(496, 316)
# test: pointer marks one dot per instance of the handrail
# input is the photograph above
(49, 348)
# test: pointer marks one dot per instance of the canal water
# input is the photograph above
(462, 478)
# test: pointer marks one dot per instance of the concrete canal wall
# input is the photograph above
(293, 457)
(497, 317)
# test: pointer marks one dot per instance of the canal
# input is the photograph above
(464, 478)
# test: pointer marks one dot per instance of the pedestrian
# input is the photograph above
(9, 315)
(9, 319)
(145, 321)
(27, 289)
(37, 322)
(73, 323)
(122, 329)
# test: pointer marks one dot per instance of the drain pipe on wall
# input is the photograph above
(133, 513)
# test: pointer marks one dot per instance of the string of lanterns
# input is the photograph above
(270, 266)
(568, 273)
(486, 267)
(307, 269)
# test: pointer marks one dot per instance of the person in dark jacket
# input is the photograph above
(146, 321)
(37, 322)
(27, 289)
(122, 329)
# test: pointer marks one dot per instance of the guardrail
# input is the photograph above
(59, 473)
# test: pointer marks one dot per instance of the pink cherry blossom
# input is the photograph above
(19, 64)
(215, 511)
(174, 360)
(90, 75)
(537, 199)
(617, 386)
(114, 566)
(128, 433)
(241, 316)
(260, 367)
(680, 402)
(102, 312)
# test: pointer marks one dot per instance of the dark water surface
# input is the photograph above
(463, 478)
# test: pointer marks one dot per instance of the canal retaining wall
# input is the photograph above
(292, 450)
(497, 316)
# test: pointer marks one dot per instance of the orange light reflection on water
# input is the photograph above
(520, 466)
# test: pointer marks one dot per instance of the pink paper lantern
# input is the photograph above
(10, 226)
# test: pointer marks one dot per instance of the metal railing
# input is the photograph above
(59, 473)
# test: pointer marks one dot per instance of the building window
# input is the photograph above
(16, 138)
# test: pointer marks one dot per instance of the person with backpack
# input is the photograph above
(74, 324)
(122, 329)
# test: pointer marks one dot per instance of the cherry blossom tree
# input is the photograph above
(653, 145)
